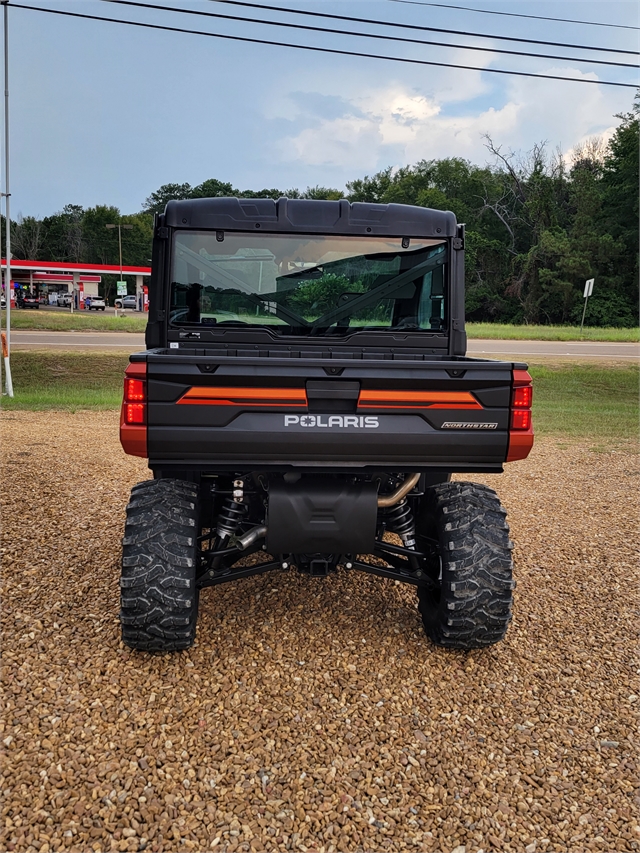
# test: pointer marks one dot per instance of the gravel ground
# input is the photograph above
(314, 715)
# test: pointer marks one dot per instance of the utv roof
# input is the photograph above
(310, 216)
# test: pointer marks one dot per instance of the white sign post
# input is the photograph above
(588, 290)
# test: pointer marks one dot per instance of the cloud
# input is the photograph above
(398, 124)
(394, 122)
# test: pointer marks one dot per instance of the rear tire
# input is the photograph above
(471, 606)
(159, 599)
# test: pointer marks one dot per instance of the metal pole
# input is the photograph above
(0, 290)
(584, 311)
(1, 259)
(7, 279)
(120, 248)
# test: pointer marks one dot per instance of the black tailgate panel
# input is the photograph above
(227, 413)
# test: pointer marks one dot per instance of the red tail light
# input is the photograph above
(522, 397)
(521, 420)
(135, 401)
(134, 389)
(134, 413)
(521, 427)
(133, 421)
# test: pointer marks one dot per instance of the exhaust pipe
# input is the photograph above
(243, 542)
(402, 490)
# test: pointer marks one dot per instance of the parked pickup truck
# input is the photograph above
(303, 401)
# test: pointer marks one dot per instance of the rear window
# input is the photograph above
(308, 284)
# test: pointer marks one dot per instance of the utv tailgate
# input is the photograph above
(388, 413)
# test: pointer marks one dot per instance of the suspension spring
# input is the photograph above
(230, 517)
(399, 519)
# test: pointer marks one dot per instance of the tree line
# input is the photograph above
(536, 227)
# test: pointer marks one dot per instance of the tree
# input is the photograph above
(323, 193)
(370, 189)
(63, 239)
(532, 192)
(101, 243)
(157, 201)
(619, 214)
(272, 193)
(27, 235)
(213, 188)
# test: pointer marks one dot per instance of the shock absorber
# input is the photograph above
(399, 519)
(229, 519)
(232, 513)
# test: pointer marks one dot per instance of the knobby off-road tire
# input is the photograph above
(159, 599)
(472, 606)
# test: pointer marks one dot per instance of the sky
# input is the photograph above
(102, 113)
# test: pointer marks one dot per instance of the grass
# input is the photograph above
(79, 321)
(66, 381)
(503, 332)
(587, 401)
(574, 401)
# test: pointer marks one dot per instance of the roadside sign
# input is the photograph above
(588, 290)
(121, 288)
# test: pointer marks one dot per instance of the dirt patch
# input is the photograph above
(315, 715)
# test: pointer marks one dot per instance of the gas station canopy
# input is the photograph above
(37, 278)
(18, 267)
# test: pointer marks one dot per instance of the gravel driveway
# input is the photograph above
(312, 714)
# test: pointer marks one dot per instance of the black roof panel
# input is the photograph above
(310, 215)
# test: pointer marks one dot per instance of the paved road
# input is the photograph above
(87, 341)
(129, 342)
(571, 349)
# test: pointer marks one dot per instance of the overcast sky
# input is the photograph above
(104, 114)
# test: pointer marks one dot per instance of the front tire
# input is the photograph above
(159, 599)
(471, 605)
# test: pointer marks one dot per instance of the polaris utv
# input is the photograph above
(303, 401)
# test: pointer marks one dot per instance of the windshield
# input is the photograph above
(308, 284)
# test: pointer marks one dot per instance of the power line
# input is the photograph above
(319, 49)
(404, 39)
(417, 27)
(515, 14)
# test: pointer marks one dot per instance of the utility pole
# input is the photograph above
(7, 191)
(120, 226)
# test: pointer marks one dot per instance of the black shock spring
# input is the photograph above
(399, 519)
(230, 517)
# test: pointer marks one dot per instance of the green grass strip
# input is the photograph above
(502, 332)
(587, 401)
(79, 321)
(66, 381)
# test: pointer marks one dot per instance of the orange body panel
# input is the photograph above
(417, 400)
(206, 396)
